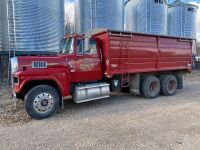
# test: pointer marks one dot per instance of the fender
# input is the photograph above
(61, 79)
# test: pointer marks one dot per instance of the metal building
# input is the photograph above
(98, 14)
(37, 25)
(147, 16)
(182, 18)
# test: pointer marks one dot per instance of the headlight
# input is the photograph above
(14, 64)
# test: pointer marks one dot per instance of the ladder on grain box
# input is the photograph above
(124, 59)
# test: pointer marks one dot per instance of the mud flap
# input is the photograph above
(116, 84)
(135, 84)
(180, 81)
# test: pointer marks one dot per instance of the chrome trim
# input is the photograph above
(39, 64)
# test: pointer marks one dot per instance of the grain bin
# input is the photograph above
(147, 16)
(91, 14)
(3, 26)
(131, 10)
(198, 24)
(182, 19)
(39, 24)
(83, 15)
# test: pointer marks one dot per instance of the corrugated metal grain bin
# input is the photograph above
(147, 16)
(91, 14)
(3, 26)
(39, 24)
(182, 19)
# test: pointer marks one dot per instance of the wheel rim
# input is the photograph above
(153, 87)
(43, 103)
(172, 86)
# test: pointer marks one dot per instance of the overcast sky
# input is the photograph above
(69, 8)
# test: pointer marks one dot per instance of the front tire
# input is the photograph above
(41, 101)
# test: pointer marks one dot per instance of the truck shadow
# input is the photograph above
(115, 101)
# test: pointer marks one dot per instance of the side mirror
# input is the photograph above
(61, 46)
(87, 44)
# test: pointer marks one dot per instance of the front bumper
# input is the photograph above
(15, 88)
(14, 98)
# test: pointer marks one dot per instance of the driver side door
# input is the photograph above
(87, 63)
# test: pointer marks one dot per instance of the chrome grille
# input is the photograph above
(39, 64)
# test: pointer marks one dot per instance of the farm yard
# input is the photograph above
(92, 50)
(122, 121)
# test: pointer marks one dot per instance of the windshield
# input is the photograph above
(66, 46)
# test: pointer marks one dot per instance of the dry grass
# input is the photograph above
(194, 76)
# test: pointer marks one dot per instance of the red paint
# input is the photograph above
(144, 53)
(117, 54)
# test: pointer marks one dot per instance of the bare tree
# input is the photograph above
(198, 48)
(68, 24)
(69, 18)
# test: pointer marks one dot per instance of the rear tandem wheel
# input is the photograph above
(151, 87)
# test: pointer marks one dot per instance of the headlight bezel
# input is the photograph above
(14, 65)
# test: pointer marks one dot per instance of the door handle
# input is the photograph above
(70, 65)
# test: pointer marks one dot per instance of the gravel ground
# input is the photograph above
(9, 115)
(121, 122)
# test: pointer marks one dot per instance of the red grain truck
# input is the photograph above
(90, 66)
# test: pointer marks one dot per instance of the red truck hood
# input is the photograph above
(52, 61)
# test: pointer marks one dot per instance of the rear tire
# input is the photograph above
(161, 79)
(169, 85)
(151, 87)
(41, 101)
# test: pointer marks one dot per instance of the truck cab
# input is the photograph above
(42, 82)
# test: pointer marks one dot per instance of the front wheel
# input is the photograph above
(41, 101)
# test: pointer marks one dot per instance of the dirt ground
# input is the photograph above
(121, 122)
